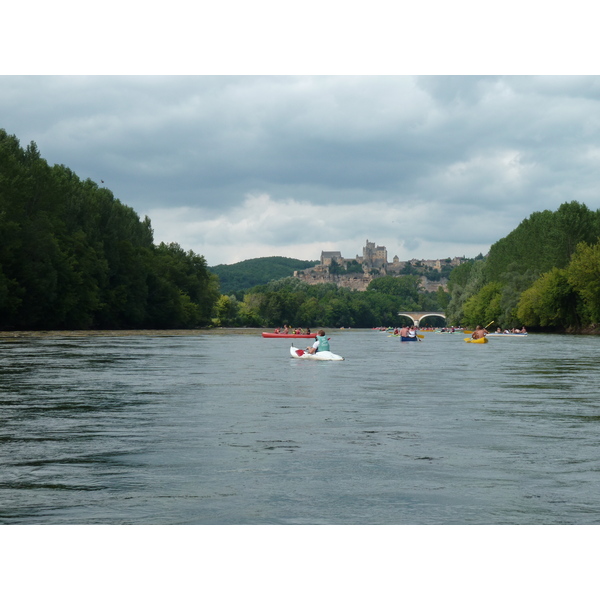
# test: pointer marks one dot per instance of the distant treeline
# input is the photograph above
(257, 271)
(73, 257)
(545, 273)
(296, 303)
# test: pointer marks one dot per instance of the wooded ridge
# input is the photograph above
(257, 271)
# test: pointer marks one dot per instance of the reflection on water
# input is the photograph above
(228, 429)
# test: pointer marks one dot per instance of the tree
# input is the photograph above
(406, 288)
(550, 302)
(484, 306)
(337, 313)
(257, 271)
(575, 223)
(514, 283)
(335, 268)
(583, 274)
(354, 266)
(225, 310)
(442, 298)
(249, 311)
(544, 240)
(310, 312)
(187, 272)
(433, 275)
(465, 281)
(73, 256)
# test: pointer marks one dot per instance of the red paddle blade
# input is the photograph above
(299, 352)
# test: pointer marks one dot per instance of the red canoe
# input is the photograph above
(288, 335)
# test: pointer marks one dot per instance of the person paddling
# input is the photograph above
(321, 343)
(479, 332)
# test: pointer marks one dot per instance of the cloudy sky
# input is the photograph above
(236, 166)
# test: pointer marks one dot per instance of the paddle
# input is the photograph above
(469, 332)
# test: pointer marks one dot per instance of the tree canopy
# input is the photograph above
(299, 304)
(73, 256)
(545, 273)
(256, 271)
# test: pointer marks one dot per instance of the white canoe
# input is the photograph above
(506, 335)
(324, 355)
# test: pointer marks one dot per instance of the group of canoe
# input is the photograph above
(288, 332)
(304, 354)
(481, 338)
(266, 334)
(484, 339)
(481, 334)
(406, 334)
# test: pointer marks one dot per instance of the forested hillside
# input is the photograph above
(73, 256)
(545, 273)
(257, 271)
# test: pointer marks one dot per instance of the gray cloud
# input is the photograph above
(459, 159)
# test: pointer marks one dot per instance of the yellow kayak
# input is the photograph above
(482, 340)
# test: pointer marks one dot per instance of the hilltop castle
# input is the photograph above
(357, 273)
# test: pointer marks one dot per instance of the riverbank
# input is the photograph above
(126, 332)
(256, 331)
(593, 329)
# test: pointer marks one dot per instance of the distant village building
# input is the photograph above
(344, 272)
(327, 257)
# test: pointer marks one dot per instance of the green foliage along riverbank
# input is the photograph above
(545, 273)
(297, 303)
(72, 256)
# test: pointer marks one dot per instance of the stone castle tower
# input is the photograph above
(374, 256)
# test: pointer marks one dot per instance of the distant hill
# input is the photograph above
(257, 271)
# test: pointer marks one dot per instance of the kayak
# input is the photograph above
(507, 335)
(482, 340)
(406, 339)
(324, 355)
(288, 335)
(409, 339)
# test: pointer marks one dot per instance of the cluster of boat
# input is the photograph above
(266, 334)
(394, 332)
(406, 334)
(484, 339)
(298, 352)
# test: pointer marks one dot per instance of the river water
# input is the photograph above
(226, 428)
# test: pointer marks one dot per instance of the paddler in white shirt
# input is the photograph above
(321, 343)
